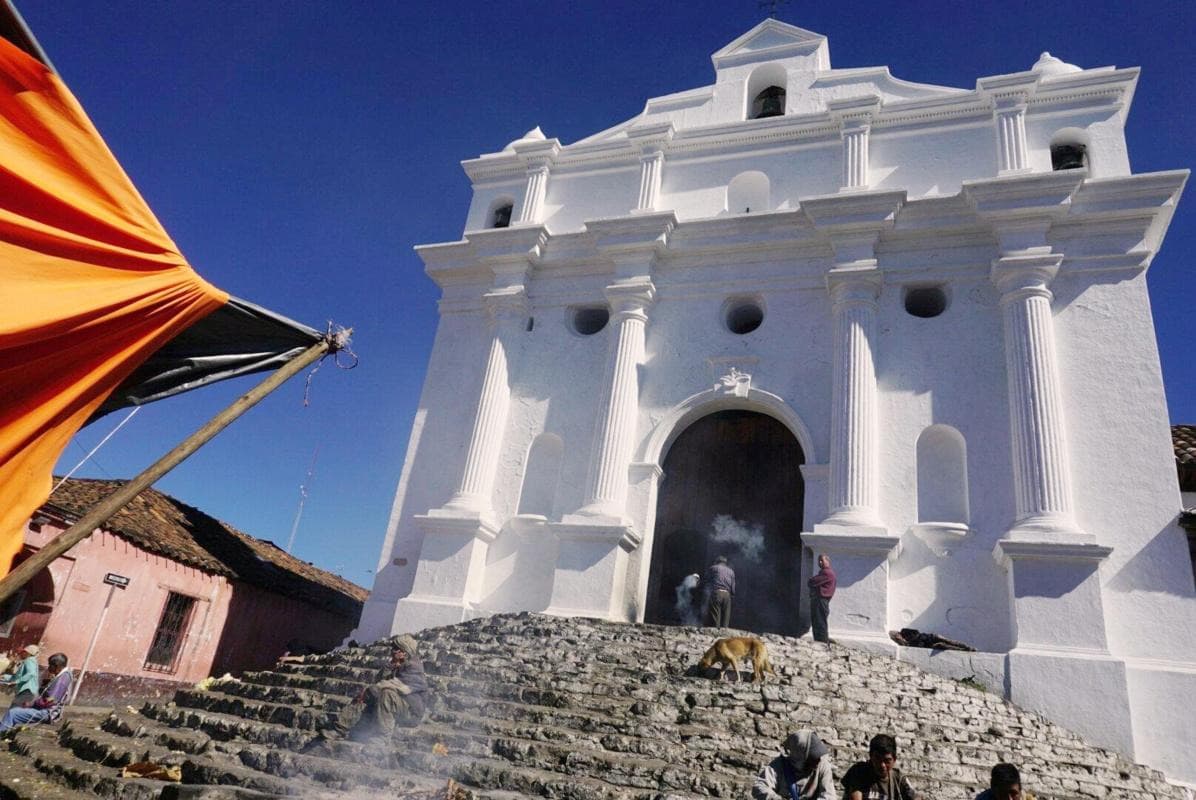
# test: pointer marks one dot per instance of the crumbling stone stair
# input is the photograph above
(528, 705)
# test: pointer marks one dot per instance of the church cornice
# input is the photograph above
(1099, 225)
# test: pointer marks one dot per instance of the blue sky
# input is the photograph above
(297, 151)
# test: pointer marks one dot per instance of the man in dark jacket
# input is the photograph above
(822, 589)
(397, 697)
(878, 778)
(719, 585)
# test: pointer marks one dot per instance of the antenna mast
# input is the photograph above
(302, 498)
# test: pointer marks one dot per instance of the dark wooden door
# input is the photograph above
(732, 486)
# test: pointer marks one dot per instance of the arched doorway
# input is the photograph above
(732, 486)
(25, 614)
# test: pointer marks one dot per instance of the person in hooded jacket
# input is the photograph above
(396, 698)
(803, 772)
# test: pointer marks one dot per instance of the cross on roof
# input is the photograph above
(772, 5)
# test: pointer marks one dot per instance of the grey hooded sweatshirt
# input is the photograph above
(812, 784)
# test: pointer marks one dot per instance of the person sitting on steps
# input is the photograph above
(1005, 783)
(803, 772)
(48, 705)
(395, 698)
(878, 778)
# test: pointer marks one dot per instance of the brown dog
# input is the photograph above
(729, 652)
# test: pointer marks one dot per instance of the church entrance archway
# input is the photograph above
(732, 486)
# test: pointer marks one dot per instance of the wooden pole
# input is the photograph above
(121, 497)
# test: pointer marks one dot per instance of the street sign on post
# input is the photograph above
(112, 579)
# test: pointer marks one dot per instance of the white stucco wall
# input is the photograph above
(952, 196)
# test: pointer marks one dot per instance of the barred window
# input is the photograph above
(168, 641)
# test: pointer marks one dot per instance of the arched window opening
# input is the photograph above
(1068, 156)
(500, 214)
(766, 91)
(769, 103)
(1069, 149)
(749, 192)
(942, 476)
(541, 474)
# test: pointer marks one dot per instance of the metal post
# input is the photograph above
(95, 637)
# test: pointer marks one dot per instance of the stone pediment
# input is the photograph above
(772, 40)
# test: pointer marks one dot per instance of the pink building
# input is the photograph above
(174, 594)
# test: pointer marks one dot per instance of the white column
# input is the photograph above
(507, 312)
(533, 194)
(853, 455)
(1010, 117)
(651, 167)
(855, 115)
(606, 489)
(1042, 472)
(856, 135)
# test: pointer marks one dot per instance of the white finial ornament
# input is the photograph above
(534, 135)
(1048, 65)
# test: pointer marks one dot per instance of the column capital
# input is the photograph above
(854, 113)
(537, 155)
(506, 305)
(1025, 275)
(854, 284)
(630, 298)
(1008, 92)
(651, 139)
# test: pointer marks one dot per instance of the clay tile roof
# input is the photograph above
(1183, 437)
(162, 525)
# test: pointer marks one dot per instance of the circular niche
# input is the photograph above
(743, 315)
(925, 301)
(588, 320)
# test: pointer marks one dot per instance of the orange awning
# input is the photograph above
(90, 283)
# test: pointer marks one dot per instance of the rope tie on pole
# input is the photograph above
(339, 340)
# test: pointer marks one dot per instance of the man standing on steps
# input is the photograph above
(395, 698)
(719, 585)
(822, 589)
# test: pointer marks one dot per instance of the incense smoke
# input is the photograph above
(685, 596)
(748, 540)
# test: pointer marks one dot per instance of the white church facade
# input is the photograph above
(811, 310)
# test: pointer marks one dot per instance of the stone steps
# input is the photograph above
(496, 774)
(40, 747)
(20, 778)
(226, 727)
(526, 705)
(219, 702)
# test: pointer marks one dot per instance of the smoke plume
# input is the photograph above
(685, 597)
(748, 540)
